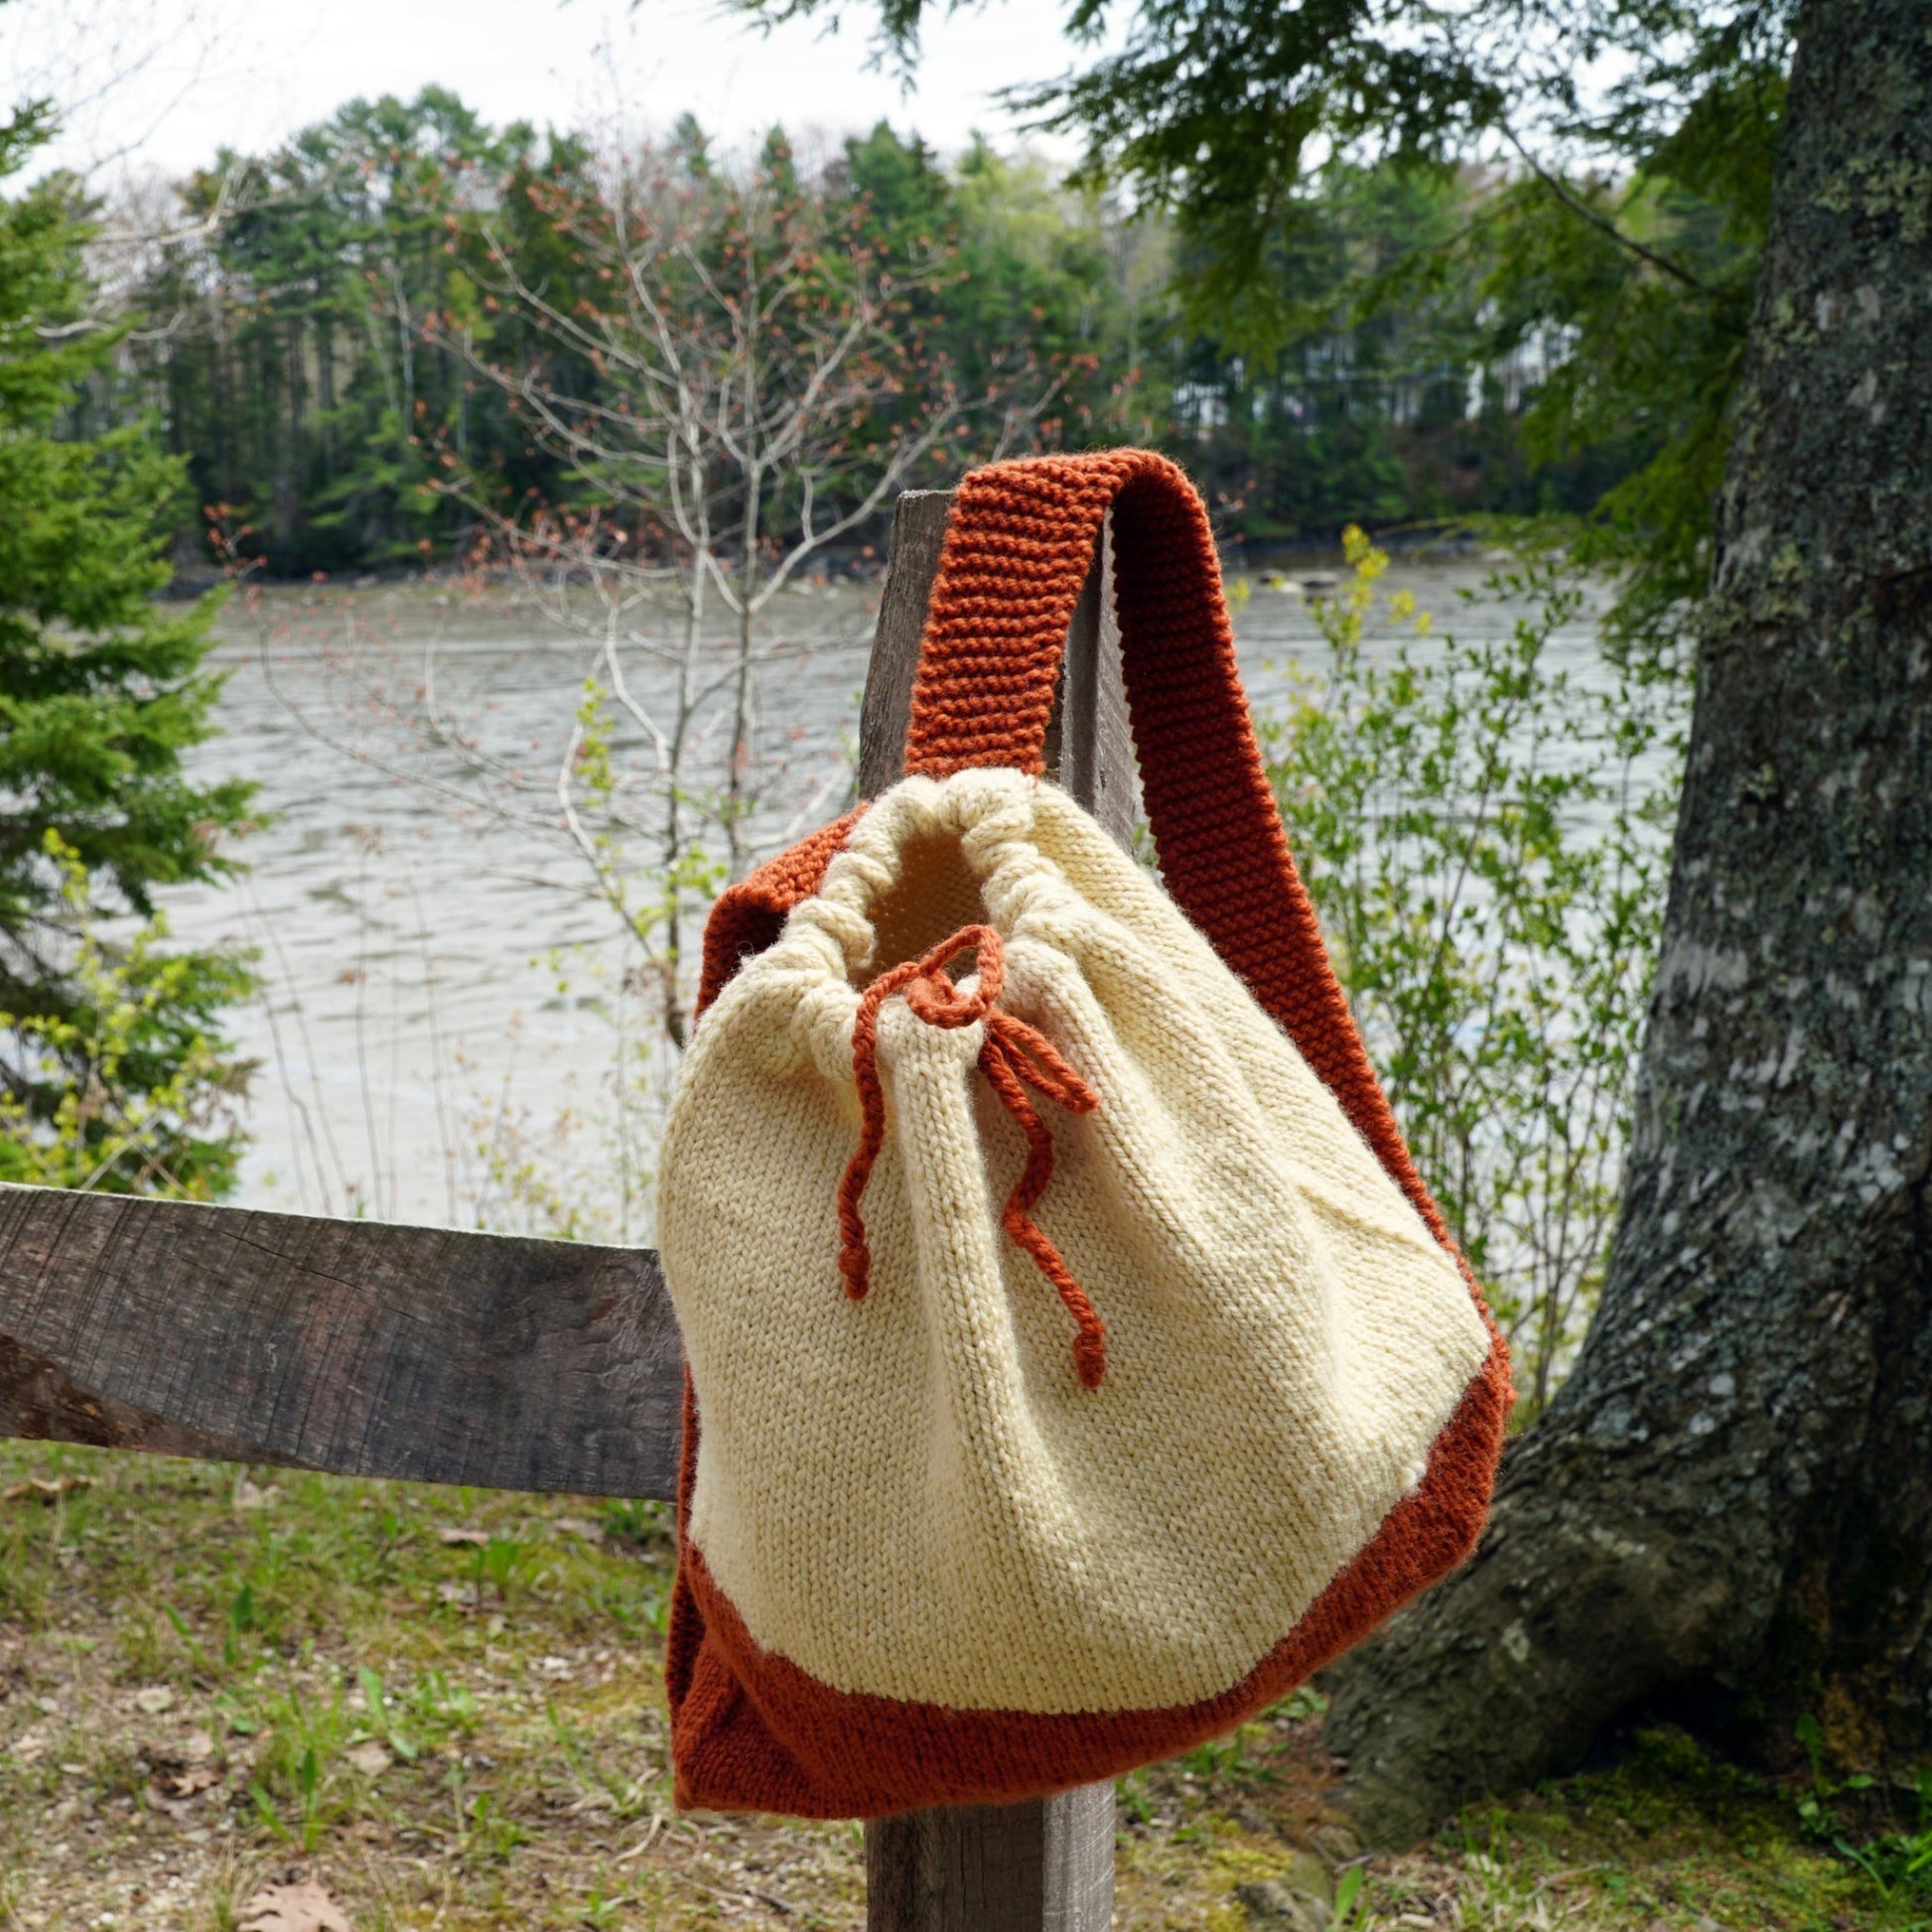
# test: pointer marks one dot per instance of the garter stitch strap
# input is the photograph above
(1015, 558)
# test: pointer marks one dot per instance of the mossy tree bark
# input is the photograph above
(1729, 1506)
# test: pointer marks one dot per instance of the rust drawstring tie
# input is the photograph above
(1016, 1057)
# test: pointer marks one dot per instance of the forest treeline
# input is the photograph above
(307, 338)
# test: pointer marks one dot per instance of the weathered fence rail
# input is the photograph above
(351, 1346)
(367, 1349)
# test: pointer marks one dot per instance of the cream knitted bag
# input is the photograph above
(1057, 1337)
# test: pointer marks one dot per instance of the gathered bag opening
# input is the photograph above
(935, 893)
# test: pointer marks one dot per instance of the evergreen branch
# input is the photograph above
(1598, 220)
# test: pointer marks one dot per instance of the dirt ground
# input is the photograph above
(418, 1707)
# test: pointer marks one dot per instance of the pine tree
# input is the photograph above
(113, 1069)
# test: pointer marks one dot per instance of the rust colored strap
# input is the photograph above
(1013, 1058)
(1018, 550)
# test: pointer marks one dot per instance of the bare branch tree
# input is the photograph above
(734, 380)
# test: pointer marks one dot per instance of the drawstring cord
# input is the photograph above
(1014, 1056)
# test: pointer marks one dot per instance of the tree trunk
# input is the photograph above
(1727, 1509)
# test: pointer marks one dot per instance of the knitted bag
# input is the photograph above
(1081, 1362)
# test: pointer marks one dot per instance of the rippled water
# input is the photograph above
(437, 979)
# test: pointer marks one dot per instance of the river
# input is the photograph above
(434, 1031)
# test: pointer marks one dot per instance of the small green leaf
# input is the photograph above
(1347, 1892)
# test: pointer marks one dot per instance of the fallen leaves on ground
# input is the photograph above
(306, 1907)
(37, 1489)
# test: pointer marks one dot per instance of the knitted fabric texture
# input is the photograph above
(923, 1558)
(1013, 1058)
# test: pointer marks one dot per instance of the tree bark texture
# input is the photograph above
(1727, 1509)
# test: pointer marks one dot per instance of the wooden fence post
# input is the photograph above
(1046, 1866)
(427, 1354)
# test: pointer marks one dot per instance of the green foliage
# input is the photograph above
(1865, 1822)
(502, 1563)
(1647, 277)
(314, 353)
(640, 1525)
(292, 372)
(139, 1103)
(114, 1072)
(1212, 108)
(1229, 1759)
(1899, 1863)
(980, 295)
(297, 1790)
(1483, 835)
(1035, 288)
(444, 1709)
(1664, 1837)
(1388, 396)
(484, 1835)
(1621, 248)
(1348, 1894)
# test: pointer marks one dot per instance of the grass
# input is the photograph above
(445, 1706)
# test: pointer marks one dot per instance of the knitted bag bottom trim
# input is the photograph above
(752, 1732)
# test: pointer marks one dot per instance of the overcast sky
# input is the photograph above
(160, 84)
